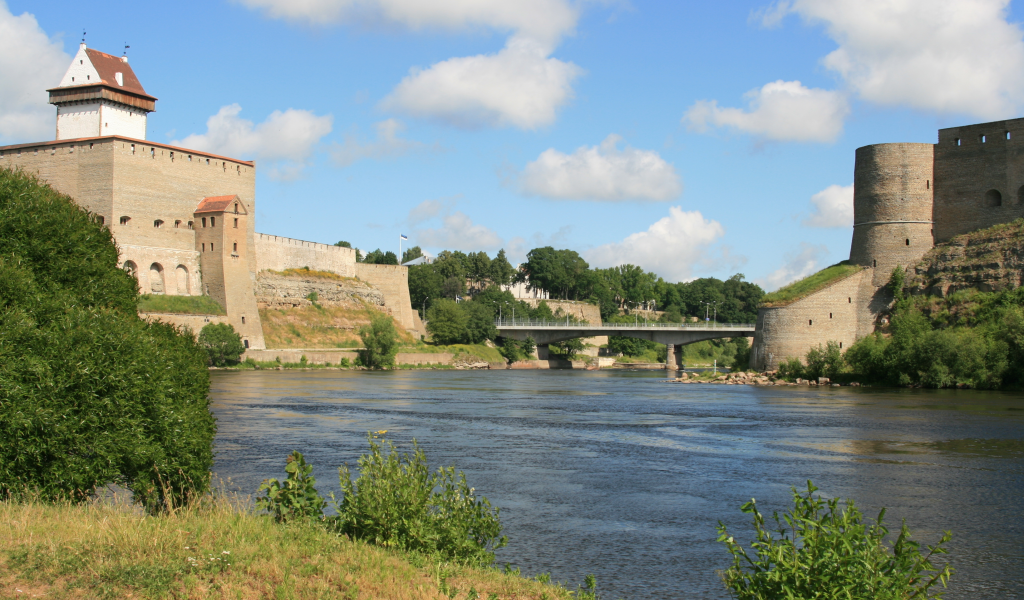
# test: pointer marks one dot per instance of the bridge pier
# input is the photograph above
(673, 357)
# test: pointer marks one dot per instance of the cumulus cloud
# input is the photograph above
(544, 20)
(387, 145)
(459, 232)
(603, 172)
(780, 110)
(797, 266)
(671, 247)
(30, 62)
(938, 55)
(520, 86)
(833, 207)
(285, 139)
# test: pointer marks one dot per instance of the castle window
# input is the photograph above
(243, 320)
(130, 268)
(236, 210)
(238, 169)
(81, 62)
(840, 344)
(88, 77)
(849, 300)
(224, 166)
(874, 263)
(957, 141)
(190, 225)
(72, 79)
(204, 222)
(172, 156)
(177, 223)
(124, 220)
(211, 246)
(189, 158)
(246, 342)
(993, 198)
(810, 322)
(982, 138)
(207, 162)
(158, 223)
(213, 221)
(1007, 135)
(152, 152)
(908, 241)
(204, 247)
(830, 315)
(927, 184)
(234, 247)
(236, 223)
(90, 145)
(133, 148)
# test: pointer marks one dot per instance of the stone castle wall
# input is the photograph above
(278, 253)
(393, 281)
(979, 177)
(280, 292)
(843, 312)
(892, 205)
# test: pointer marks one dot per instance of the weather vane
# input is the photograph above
(126, 47)
(83, 36)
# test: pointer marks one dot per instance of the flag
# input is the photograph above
(403, 236)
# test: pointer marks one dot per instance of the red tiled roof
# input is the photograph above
(215, 204)
(107, 65)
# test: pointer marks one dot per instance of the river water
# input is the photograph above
(625, 476)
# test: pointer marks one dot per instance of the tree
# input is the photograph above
(446, 322)
(222, 344)
(502, 271)
(89, 393)
(479, 267)
(411, 254)
(380, 343)
(453, 287)
(343, 244)
(379, 257)
(479, 322)
(424, 284)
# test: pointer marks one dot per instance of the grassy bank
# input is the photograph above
(181, 305)
(319, 326)
(810, 284)
(218, 550)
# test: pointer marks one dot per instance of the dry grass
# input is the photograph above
(218, 550)
(310, 327)
(307, 272)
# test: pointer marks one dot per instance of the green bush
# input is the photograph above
(89, 393)
(396, 502)
(222, 344)
(380, 343)
(296, 497)
(514, 350)
(446, 322)
(818, 550)
(824, 361)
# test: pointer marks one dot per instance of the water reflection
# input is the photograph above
(625, 475)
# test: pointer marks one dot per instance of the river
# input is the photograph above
(625, 476)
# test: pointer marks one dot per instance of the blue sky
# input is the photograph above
(692, 138)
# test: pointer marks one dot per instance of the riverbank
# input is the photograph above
(218, 550)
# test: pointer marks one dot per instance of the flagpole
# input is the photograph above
(399, 249)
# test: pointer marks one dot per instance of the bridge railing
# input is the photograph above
(536, 324)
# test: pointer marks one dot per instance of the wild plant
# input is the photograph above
(819, 550)
(294, 498)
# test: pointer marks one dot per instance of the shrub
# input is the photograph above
(824, 361)
(818, 550)
(294, 498)
(89, 393)
(222, 344)
(380, 343)
(446, 322)
(397, 502)
(791, 368)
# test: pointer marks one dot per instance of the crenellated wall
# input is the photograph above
(278, 253)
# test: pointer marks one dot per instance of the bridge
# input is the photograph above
(670, 334)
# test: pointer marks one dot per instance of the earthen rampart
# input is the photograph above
(281, 292)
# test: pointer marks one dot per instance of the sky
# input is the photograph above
(694, 139)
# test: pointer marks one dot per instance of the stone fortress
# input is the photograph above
(184, 220)
(907, 198)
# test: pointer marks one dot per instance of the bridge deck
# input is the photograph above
(545, 332)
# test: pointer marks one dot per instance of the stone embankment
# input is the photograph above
(748, 378)
(277, 291)
(988, 260)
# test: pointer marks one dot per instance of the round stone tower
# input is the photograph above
(892, 206)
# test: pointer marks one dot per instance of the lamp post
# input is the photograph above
(425, 298)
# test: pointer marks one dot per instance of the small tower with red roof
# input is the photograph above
(100, 96)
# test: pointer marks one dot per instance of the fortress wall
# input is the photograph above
(841, 312)
(967, 168)
(892, 206)
(82, 169)
(277, 253)
(393, 281)
(179, 274)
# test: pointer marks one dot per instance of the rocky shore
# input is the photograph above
(748, 378)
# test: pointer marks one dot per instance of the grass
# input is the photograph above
(183, 305)
(219, 549)
(311, 327)
(810, 284)
(479, 351)
(307, 272)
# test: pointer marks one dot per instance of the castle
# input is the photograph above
(907, 197)
(183, 220)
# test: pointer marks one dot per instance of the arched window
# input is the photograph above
(124, 220)
(158, 223)
(156, 278)
(181, 279)
(191, 225)
(204, 221)
(213, 221)
(177, 223)
(130, 268)
(993, 198)
(236, 208)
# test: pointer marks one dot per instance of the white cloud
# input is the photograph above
(781, 110)
(520, 86)
(671, 247)
(458, 232)
(285, 139)
(541, 19)
(601, 173)
(387, 145)
(30, 62)
(937, 55)
(797, 266)
(833, 207)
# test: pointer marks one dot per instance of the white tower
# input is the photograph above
(99, 96)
